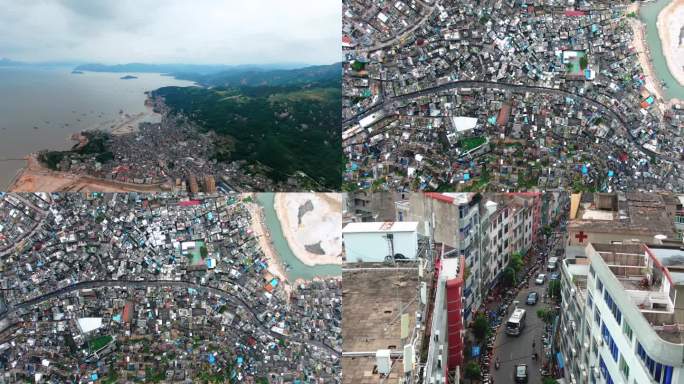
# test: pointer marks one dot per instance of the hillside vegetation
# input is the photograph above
(292, 124)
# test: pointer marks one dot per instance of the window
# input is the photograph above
(627, 330)
(599, 285)
(591, 271)
(597, 317)
(612, 306)
(604, 371)
(624, 368)
(661, 373)
(610, 343)
(590, 300)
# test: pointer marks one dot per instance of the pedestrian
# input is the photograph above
(533, 343)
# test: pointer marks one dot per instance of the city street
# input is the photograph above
(512, 350)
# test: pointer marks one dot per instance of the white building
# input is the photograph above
(620, 316)
(379, 241)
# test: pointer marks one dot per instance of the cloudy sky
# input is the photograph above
(172, 31)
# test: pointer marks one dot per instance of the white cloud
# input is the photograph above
(172, 31)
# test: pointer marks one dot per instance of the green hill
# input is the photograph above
(288, 128)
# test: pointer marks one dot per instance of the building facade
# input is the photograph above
(620, 321)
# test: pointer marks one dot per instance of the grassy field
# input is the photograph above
(99, 342)
(471, 142)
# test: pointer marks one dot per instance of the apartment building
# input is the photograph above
(453, 219)
(622, 318)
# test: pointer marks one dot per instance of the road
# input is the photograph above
(94, 284)
(459, 84)
(512, 350)
(402, 35)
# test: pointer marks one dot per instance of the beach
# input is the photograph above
(670, 24)
(311, 223)
(261, 233)
(37, 177)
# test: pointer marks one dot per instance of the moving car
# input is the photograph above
(540, 279)
(532, 298)
(552, 264)
(520, 373)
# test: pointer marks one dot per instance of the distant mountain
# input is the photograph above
(195, 69)
(312, 75)
(5, 62)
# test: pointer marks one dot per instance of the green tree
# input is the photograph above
(546, 315)
(555, 289)
(481, 327)
(472, 371)
(584, 62)
(204, 252)
(516, 262)
(508, 277)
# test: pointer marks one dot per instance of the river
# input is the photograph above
(648, 12)
(298, 270)
(37, 104)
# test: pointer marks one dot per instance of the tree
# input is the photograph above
(508, 277)
(481, 327)
(472, 371)
(546, 315)
(204, 252)
(584, 62)
(516, 262)
(555, 289)
(548, 380)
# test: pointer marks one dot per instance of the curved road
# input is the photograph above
(94, 284)
(458, 84)
(401, 34)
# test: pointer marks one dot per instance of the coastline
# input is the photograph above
(669, 23)
(286, 206)
(36, 177)
(264, 238)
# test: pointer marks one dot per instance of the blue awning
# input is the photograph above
(559, 358)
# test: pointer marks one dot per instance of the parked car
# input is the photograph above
(540, 279)
(532, 298)
(520, 373)
(554, 276)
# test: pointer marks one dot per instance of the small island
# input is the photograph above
(76, 72)
(128, 77)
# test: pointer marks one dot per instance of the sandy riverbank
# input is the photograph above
(264, 237)
(311, 224)
(652, 83)
(670, 24)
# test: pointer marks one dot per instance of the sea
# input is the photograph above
(41, 108)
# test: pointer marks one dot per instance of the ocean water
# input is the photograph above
(41, 108)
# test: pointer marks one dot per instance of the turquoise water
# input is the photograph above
(649, 15)
(298, 270)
